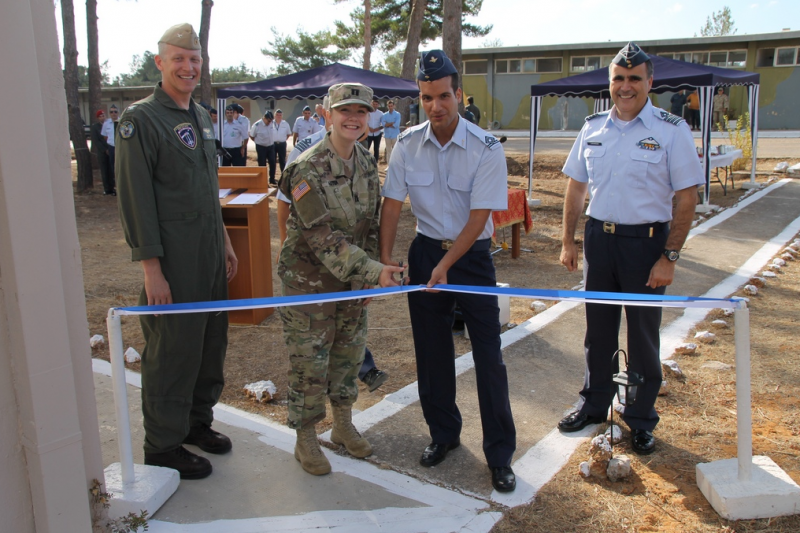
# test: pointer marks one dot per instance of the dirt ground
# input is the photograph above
(697, 421)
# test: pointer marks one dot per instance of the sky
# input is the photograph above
(241, 28)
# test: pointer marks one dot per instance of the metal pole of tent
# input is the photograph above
(706, 95)
(744, 422)
(752, 93)
(536, 111)
(120, 397)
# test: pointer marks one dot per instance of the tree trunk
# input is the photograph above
(206, 93)
(367, 33)
(412, 51)
(82, 155)
(94, 56)
(451, 38)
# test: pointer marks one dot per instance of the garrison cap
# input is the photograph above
(349, 93)
(630, 56)
(239, 109)
(306, 108)
(182, 36)
(230, 107)
(268, 114)
(434, 65)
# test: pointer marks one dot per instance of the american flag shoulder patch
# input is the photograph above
(300, 190)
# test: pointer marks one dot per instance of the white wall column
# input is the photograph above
(52, 448)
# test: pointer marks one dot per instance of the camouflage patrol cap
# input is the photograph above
(630, 56)
(182, 36)
(349, 93)
(326, 103)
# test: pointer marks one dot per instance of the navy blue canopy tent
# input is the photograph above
(315, 82)
(669, 75)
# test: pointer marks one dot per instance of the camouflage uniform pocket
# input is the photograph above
(294, 319)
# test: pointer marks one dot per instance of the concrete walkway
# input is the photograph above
(260, 486)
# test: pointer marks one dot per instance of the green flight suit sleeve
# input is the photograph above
(346, 261)
(136, 156)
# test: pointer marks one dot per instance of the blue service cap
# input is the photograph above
(435, 65)
(630, 56)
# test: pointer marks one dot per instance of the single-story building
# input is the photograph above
(500, 79)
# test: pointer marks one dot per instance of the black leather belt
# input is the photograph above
(481, 245)
(634, 230)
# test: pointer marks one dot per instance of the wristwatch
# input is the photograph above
(672, 255)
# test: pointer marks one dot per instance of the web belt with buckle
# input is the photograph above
(639, 230)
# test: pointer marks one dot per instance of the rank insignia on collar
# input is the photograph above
(648, 144)
(186, 135)
(490, 141)
(126, 129)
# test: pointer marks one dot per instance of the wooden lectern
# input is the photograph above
(248, 229)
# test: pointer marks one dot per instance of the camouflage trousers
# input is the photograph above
(326, 348)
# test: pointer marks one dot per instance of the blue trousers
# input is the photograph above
(432, 323)
(621, 264)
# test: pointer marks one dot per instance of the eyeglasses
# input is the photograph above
(114, 112)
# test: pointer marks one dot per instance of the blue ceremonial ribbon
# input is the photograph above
(613, 298)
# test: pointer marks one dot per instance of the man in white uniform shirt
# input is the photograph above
(263, 134)
(283, 132)
(233, 139)
(304, 126)
(375, 129)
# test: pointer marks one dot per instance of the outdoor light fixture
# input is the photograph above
(627, 383)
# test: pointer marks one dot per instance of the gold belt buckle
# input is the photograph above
(446, 245)
(609, 227)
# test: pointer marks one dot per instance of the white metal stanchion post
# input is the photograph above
(134, 488)
(744, 418)
(120, 396)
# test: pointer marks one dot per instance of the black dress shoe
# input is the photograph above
(503, 479)
(188, 465)
(576, 421)
(643, 442)
(435, 453)
(208, 440)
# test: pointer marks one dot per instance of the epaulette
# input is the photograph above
(486, 138)
(600, 114)
(410, 131)
(304, 145)
(669, 117)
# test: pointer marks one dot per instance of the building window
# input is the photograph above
(716, 58)
(765, 57)
(785, 57)
(527, 66)
(587, 63)
(476, 67)
(737, 58)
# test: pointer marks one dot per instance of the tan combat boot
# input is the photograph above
(308, 452)
(344, 432)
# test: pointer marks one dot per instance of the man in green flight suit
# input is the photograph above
(169, 206)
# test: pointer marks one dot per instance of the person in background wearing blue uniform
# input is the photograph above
(391, 128)
(455, 175)
(284, 131)
(634, 159)
(263, 134)
(234, 138)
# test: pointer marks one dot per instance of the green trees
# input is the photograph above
(303, 52)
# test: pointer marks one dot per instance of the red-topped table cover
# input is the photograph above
(516, 214)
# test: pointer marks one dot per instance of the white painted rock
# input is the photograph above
(132, 356)
(790, 250)
(776, 268)
(584, 469)
(262, 391)
(672, 367)
(619, 468)
(768, 274)
(705, 336)
(664, 390)
(538, 306)
(720, 324)
(717, 365)
(758, 281)
(687, 348)
(694, 223)
(613, 434)
(619, 408)
(787, 257)
(96, 341)
(752, 290)
(778, 261)
(729, 312)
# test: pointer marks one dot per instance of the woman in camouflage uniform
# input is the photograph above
(331, 246)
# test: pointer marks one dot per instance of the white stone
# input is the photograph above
(721, 324)
(705, 336)
(768, 274)
(672, 366)
(664, 390)
(600, 443)
(787, 257)
(152, 486)
(613, 434)
(687, 348)
(779, 262)
(717, 365)
(758, 281)
(694, 223)
(770, 492)
(132, 356)
(96, 341)
(730, 312)
(585, 469)
(776, 268)
(752, 290)
(538, 306)
(619, 467)
(261, 390)
(790, 250)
